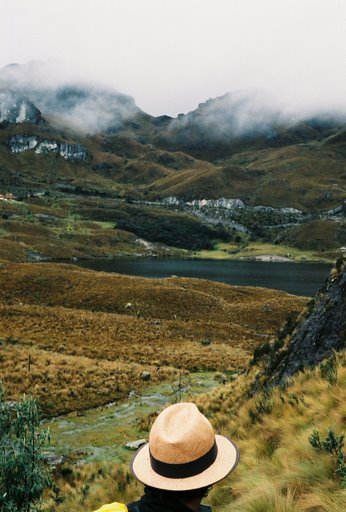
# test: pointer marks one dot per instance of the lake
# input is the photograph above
(296, 278)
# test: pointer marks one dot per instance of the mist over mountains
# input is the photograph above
(241, 145)
(84, 107)
(91, 108)
(238, 170)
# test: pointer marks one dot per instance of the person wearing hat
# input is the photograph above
(182, 460)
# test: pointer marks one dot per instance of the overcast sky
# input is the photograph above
(172, 54)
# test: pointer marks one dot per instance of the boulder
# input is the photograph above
(134, 445)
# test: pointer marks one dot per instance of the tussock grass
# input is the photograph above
(61, 310)
(64, 383)
(279, 470)
(89, 486)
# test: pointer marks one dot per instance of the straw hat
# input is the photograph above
(183, 452)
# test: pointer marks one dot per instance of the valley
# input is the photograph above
(132, 184)
(86, 175)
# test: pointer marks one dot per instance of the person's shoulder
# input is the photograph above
(134, 507)
(205, 508)
(113, 507)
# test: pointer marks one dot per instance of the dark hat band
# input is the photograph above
(186, 470)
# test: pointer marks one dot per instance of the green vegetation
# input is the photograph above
(260, 250)
(23, 475)
(177, 230)
(332, 444)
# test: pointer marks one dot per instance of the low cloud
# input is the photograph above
(83, 106)
(90, 107)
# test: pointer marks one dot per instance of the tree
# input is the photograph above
(23, 474)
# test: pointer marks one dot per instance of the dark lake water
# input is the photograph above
(296, 278)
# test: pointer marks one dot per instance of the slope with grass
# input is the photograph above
(308, 176)
(279, 469)
(290, 438)
(94, 321)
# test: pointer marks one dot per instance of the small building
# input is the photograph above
(8, 196)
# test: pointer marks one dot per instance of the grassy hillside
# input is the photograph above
(304, 174)
(76, 325)
(279, 470)
(307, 176)
(291, 439)
(304, 171)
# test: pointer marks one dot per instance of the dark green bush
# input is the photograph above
(332, 444)
(329, 369)
(23, 474)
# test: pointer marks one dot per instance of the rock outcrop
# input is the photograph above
(321, 331)
(15, 108)
(234, 213)
(20, 143)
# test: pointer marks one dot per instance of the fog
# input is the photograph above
(76, 103)
(170, 55)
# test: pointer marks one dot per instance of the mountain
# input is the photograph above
(70, 140)
(87, 108)
(243, 120)
(15, 108)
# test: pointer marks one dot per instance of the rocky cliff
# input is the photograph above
(20, 143)
(321, 331)
(235, 213)
(15, 108)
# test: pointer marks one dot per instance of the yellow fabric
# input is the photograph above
(113, 507)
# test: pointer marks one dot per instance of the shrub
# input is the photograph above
(260, 351)
(263, 405)
(23, 475)
(329, 369)
(332, 444)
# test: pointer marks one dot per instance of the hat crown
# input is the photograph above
(180, 434)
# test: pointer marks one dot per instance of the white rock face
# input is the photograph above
(20, 143)
(17, 109)
(229, 204)
(47, 146)
(72, 151)
(22, 113)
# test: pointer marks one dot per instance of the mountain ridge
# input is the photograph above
(229, 147)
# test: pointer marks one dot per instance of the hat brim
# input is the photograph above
(226, 461)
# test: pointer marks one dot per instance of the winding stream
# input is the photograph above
(101, 434)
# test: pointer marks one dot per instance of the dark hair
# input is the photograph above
(177, 495)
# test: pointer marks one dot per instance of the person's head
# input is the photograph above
(183, 454)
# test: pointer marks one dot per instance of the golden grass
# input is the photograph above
(104, 317)
(278, 471)
(86, 346)
(64, 383)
